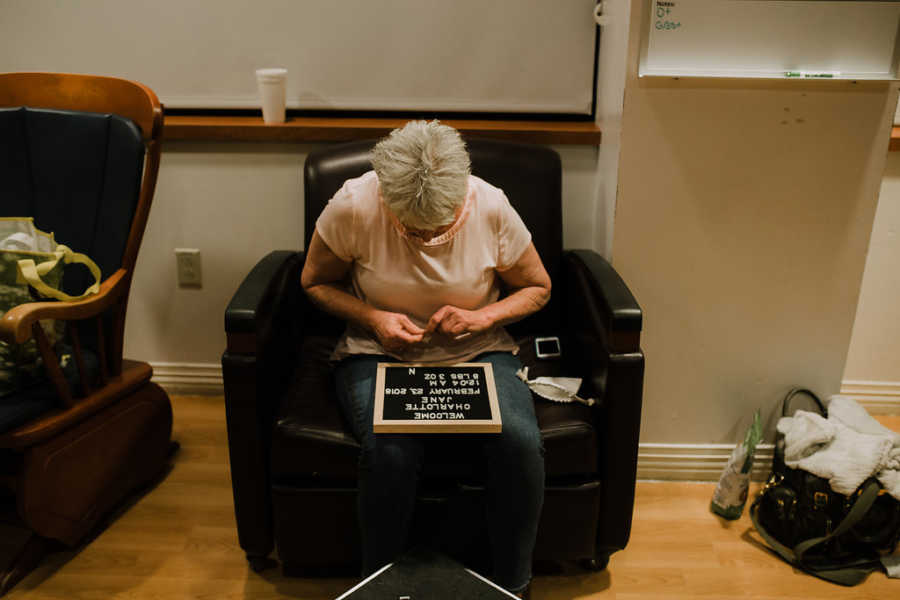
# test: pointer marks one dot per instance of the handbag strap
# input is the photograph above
(797, 392)
(31, 274)
(785, 552)
(863, 503)
(850, 575)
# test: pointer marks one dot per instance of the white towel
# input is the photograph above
(804, 434)
(847, 448)
(847, 411)
(842, 409)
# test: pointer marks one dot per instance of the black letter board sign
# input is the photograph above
(414, 398)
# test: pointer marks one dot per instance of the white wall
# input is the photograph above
(873, 364)
(742, 224)
(611, 70)
(236, 202)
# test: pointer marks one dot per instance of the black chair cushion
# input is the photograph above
(31, 402)
(311, 439)
(312, 444)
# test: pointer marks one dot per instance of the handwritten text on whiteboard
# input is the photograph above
(664, 17)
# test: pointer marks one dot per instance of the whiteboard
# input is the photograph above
(766, 38)
(459, 55)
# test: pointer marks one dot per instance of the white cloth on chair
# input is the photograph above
(557, 389)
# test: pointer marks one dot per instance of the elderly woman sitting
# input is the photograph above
(426, 246)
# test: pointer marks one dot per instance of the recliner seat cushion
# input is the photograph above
(312, 444)
(311, 439)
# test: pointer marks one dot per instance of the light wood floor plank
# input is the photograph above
(179, 541)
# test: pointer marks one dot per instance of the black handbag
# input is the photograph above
(835, 537)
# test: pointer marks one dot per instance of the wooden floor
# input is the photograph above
(179, 541)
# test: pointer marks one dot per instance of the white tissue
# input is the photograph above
(555, 389)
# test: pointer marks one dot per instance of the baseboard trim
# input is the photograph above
(695, 462)
(877, 397)
(189, 378)
(705, 462)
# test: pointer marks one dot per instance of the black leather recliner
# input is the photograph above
(294, 460)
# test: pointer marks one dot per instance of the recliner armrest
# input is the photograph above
(261, 323)
(614, 312)
(603, 322)
(260, 290)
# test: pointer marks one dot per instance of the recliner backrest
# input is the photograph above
(530, 175)
(78, 174)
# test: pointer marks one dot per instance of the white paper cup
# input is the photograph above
(272, 86)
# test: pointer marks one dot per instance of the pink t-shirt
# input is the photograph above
(396, 273)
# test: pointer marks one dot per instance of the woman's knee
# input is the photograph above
(396, 454)
(521, 442)
(520, 435)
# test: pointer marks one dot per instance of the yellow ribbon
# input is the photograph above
(31, 274)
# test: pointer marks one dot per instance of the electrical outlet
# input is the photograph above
(187, 261)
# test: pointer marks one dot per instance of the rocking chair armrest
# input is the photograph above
(15, 326)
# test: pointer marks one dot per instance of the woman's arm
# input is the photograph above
(322, 272)
(529, 287)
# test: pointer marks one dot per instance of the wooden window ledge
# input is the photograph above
(319, 129)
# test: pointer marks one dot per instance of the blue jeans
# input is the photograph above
(389, 467)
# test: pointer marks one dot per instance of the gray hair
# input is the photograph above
(423, 170)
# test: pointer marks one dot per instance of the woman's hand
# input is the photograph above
(457, 322)
(321, 279)
(395, 331)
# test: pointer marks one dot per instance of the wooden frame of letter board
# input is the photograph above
(492, 425)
